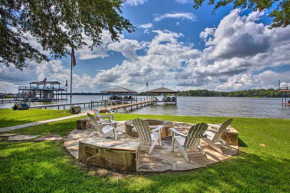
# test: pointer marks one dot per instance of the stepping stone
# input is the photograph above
(22, 137)
(55, 137)
(6, 135)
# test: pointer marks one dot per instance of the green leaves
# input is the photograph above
(281, 12)
(57, 25)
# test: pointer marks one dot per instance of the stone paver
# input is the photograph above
(56, 137)
(6, 135)
(162, 158)
(6, 129)
(22, 137)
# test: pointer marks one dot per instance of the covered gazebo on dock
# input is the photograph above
(163, 91)
(120, 95)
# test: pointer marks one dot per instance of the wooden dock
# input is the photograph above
(90, 104)
(126, 106)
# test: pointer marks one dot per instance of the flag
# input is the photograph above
(66, 83)
(73, 58)
(44, 81)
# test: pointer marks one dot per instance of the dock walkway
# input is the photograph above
(16, 127)
(124, 106)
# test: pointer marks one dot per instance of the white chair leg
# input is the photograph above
(209, 142)
(115, 133)
(182, 151)
(153, 145)
(173, 140)
(159, 136)
(201, 151)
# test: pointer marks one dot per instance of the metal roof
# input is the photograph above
(162, 90)
(119, 90)
(47, 82)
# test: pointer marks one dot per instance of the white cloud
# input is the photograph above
(146, 26)
(234, 49)
(181, 15)
(99, 51)
(266, 79)
(126, 47)
(135, 2)
(177, 23)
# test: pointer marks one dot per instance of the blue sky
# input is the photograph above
(177, 46)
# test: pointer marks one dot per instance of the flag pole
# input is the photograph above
(71, 65)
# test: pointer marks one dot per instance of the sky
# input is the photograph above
(176, 46)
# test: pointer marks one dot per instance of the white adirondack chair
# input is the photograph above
(104, 129)
(189, 141)
(102, 117)
(214, 135)
(146, 135)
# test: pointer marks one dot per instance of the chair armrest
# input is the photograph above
(159, 127)
(177, 132)
(212, 130)
(212, 125)
(215, 131)
(108, 116)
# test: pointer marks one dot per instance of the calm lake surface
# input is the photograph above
(204, 106)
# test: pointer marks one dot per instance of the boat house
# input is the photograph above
(120, 95)
(43, 91)
(169, 96)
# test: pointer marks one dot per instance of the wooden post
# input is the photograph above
(91, 105)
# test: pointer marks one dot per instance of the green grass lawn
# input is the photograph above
(8, 117)
(47, 167)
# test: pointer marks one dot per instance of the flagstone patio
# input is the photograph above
(161, 159)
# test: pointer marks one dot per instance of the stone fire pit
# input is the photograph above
(125, 154)
(153, 123)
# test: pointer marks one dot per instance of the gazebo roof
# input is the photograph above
(42, 82)
(119, 90)
(162, 90)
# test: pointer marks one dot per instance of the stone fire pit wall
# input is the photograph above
(153, 123)
(109, 153)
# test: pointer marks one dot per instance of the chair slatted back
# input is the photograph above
(221, 130)
(99, 116)
(143, 130)
(95, 123)
(194, 135)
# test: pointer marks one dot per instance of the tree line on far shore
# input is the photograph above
(241, 93)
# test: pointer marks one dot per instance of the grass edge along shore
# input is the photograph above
(263, 164)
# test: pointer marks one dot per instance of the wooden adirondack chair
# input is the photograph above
(146, 135)
(102, 117)
(104, 129)
(189, 141)
(214, 136)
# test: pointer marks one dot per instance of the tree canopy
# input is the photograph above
(281, 12)
(58, 25)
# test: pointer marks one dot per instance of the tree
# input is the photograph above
(58, 25)
(281, 13)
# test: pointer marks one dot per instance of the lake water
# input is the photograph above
(205, 106)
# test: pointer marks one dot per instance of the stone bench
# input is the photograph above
(83, 124)
(153, 123)
(231, 137)
(107, 153)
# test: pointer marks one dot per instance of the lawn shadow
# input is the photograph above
(242, 143)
